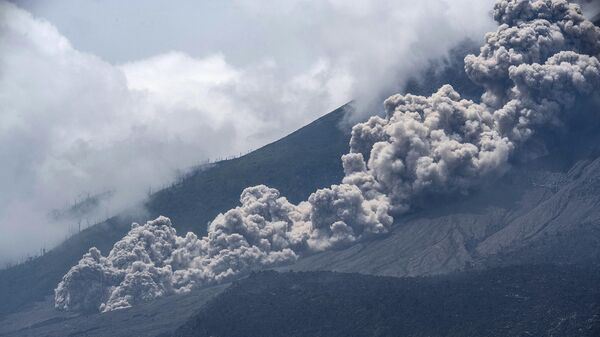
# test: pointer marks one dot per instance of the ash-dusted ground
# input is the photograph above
(160, 317)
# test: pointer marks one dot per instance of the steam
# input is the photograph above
(535, 68)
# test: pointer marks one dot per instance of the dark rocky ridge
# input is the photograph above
(542, 300)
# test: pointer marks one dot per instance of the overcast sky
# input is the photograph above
(117, 96)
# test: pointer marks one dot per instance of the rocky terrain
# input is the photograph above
(509, 301)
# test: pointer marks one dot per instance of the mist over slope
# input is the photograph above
(195, 201)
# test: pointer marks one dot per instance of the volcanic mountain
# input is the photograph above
(518, 219)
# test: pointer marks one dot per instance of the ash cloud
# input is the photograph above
(90, 104)
(535, 68)
(264, 231)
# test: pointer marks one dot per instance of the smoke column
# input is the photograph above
(535, 68)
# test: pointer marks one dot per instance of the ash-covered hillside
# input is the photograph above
(526, 300)
(541, 300)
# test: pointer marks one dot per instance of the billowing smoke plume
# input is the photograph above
(538, 64)
(533, 68)
(266, 230)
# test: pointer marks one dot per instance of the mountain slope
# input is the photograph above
(545, 212)
(525, 300)
(297, 165)
(149, 319)
(510, 301)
